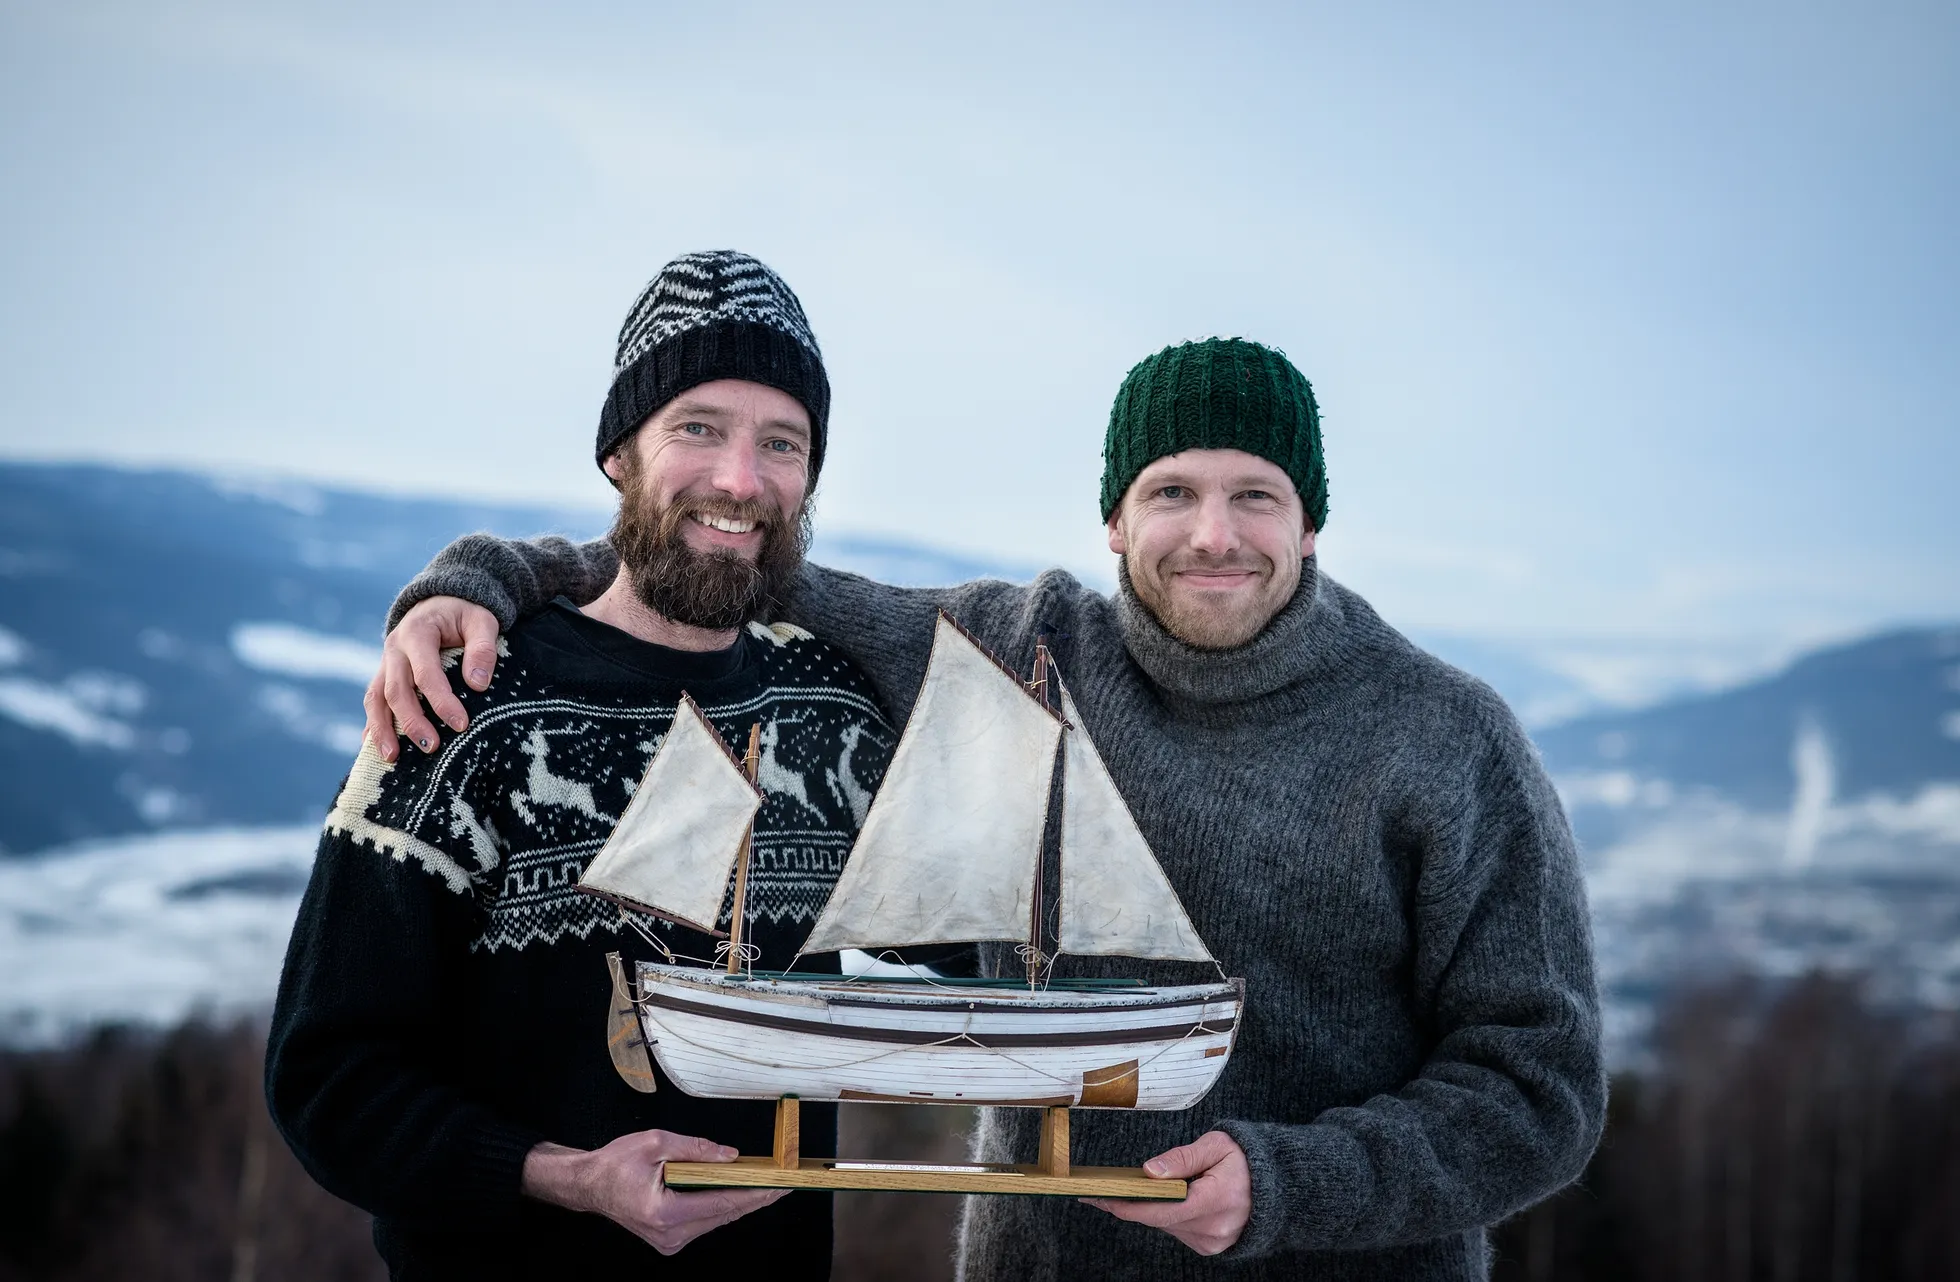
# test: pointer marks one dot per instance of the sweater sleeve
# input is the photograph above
(1511, 1100)
(886, 630)
(361, 1063)
(512, 577)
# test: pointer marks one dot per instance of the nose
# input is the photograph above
(736, 473)
(1214, 533)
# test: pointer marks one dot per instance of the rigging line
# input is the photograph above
(674, 958)
(1141, 1064)
(705, 962)
(815, 1068)
(646, 934)
(747, 954)
(1048, 971)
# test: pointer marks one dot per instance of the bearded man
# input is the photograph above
(1361, 831)
(438, 1051)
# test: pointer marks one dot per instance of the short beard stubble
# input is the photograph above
(1211, 625)
(716, 591)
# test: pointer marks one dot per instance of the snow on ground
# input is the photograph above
(71, 710)
(1702, 888)
(152, 929)
(147, 930)
(299, 652)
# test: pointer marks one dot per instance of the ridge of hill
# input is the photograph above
(185, 651)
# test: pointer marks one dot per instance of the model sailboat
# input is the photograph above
(950, 852)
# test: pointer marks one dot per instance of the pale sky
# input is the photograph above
(1627, 321)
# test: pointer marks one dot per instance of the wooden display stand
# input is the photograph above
(1051, 1176)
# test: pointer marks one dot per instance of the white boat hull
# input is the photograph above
(731, 1037)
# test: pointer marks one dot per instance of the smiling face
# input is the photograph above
(712, 516)
(1213, 541)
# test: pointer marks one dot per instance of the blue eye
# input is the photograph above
(783, 447)
(1172, 492)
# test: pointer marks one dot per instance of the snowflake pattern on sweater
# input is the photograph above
(512, 810)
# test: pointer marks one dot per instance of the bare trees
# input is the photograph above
(151, 1156)
(1785, 1133)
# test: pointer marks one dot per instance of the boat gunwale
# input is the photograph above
(950, 995)
(996, 1006)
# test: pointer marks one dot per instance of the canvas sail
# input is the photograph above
(948, 851)
(674, 849)
(1115, 897)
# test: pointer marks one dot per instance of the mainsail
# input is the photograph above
(1115, 897)
(949, 849)
(674, 849)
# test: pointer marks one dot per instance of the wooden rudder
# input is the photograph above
(625, 1039)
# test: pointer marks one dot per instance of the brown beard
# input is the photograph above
(712, 590)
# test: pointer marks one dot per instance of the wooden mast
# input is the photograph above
(1039, 688)
(751, 763)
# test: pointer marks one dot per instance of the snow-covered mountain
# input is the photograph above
(1808, 818)
(181, 651)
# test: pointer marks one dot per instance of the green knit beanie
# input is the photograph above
(1218, 394)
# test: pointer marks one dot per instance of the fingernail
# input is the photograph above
(423, 742)
(1153, 1167)
(479, 677)
(725, 1152)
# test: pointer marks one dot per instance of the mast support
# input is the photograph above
(1053, 1156)
(788, 1154)
(751, 765)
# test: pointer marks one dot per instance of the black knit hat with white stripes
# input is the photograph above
(716, 314)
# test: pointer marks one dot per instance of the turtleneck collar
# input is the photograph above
(1307, 637)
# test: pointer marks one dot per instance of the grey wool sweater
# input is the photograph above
(1359, 830)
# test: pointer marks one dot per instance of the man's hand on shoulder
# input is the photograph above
(623, 1182)
(411, 661)
(1215, 1213)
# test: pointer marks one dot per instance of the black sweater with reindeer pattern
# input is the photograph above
(444, 1002)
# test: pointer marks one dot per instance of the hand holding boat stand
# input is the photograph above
(949, 852)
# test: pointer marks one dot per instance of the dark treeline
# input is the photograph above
(1784, 1133)
(146, 1156)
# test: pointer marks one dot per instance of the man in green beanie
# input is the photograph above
(1360, 830)
(1214, 487)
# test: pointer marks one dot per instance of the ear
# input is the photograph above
(1306, 543)
(1119, 543)
(611, 466)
